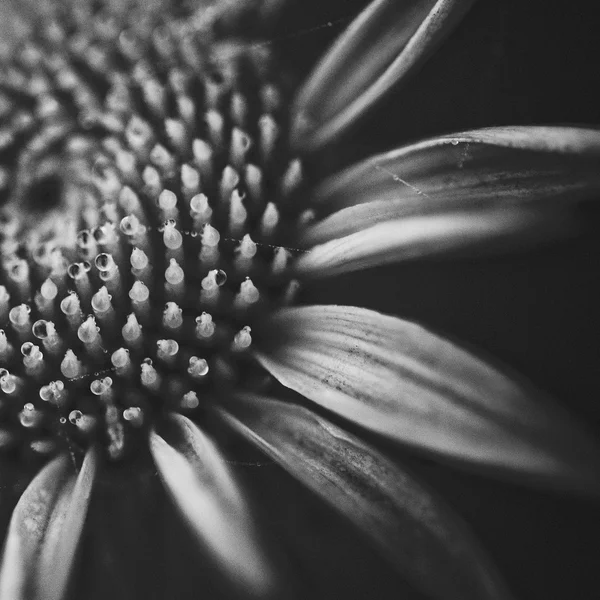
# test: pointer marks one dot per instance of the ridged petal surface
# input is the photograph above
(383, 44)
(421, 536)
(400, 380)
(496, 189)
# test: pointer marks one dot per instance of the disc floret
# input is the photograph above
(136, 285)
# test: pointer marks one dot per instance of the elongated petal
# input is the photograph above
(501, 165)
(384, 43)
(199, 480)
(480, 231)
(492, 190)
(402, 381)
(415, 531)
(44, 531)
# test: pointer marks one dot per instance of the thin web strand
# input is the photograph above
(399, 179)
(304, 32)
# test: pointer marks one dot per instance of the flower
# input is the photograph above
(153, 244)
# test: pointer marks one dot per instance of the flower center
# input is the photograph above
(147, 189)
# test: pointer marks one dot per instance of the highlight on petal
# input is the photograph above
(202, 487)
(45, 530)
(469, 168)
(421, 536)
(383, 44)
(400, 380)
(494, 189)
(411, 238)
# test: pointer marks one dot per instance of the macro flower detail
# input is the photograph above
(37, 539)
(143, 278)
(156, 227)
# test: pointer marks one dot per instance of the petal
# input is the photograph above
(494, 189)
(475, 231)
(383, 44)
(44, 531)
(199, 481)
(525, 163)
(422, 538)
(400, 380)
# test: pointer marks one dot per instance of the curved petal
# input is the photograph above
(44, 531)
(383, 44)
(400, 380)
(500, 165)
(496, 189)
(480, 231)
(199, 481)
(422, 538)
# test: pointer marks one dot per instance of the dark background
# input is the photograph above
(509, 62)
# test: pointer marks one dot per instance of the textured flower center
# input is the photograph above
(146, 186)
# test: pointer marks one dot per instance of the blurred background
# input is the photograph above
(509, 62)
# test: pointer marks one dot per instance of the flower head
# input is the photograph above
(141, 222)
(156, 224)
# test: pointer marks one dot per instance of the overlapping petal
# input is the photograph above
(44, 531)
(449, 234)
(198, 478)
(415, 531)
(520, 163)
(497, 189)
(384, 43)
(400, 380)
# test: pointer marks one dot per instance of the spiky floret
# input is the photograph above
(146, 184)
